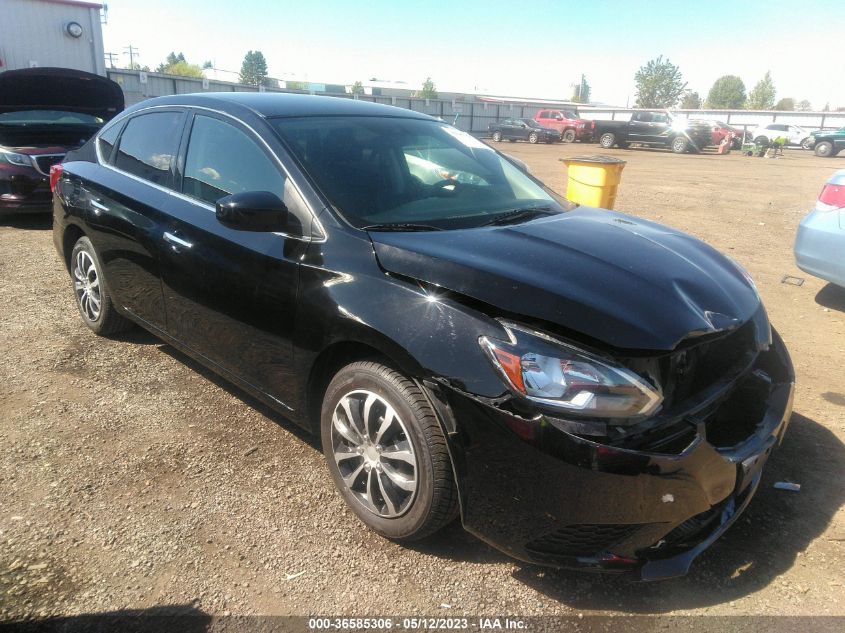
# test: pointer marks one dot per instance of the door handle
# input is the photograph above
(176, 242)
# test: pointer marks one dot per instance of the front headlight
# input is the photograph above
(14, 158)
(554, 373)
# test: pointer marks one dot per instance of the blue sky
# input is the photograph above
(534, 49)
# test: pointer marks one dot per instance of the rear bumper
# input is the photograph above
(819, 244)
(546, 496)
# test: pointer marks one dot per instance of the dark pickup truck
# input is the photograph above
(654, 128)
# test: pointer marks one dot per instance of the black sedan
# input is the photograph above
(524, 130)
(394, 285)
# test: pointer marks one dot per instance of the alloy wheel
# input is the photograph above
(86, 283)
(374, 453)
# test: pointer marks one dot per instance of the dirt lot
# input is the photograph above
(132, 478)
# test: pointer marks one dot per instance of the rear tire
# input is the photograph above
(93, 298)
(806, 144)
(680, 145)
(607, 140)
(568, 136)
(405, 497)
(497, 136)
(533, 138)
(824, 149)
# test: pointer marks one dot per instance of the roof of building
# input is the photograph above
(77, 3)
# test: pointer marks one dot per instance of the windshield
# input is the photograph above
(531, 123)
(48, 117)
(380, 170)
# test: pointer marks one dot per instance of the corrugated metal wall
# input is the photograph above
(472, 116)
(32, 32)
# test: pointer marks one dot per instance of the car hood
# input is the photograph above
(626, 282)
(59, 89)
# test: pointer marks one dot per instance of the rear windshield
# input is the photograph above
(48, 117)
(379, 170)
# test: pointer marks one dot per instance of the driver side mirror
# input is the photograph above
(259, 211)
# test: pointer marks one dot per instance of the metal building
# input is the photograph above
(63, 33)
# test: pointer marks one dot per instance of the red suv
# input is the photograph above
(568, 123)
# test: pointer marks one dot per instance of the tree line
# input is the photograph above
(660, 84)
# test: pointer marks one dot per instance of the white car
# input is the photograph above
(794, 135)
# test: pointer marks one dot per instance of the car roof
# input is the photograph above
(277, 104)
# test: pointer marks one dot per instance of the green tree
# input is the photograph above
(184, 69)
(727, 93)
(254, 69)
(207, 64)
(582, 92)
(171, 60)
(429, 90)
(357, 88)
(295, 85)
(690, 100)
(659, 84)
(804, 106)
(787, 103)
(762, 97)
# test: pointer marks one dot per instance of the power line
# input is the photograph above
(132, 52)
(110, 57)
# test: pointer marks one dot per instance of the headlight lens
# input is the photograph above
(14, 158)
(551, 372)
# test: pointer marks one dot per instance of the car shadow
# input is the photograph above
(28, 221)
(831, 296)
(165, 619)
(766, 541)
(239, 393)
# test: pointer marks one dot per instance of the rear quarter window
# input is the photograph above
(148, 146)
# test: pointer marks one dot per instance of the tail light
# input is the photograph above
(592, 125)
(55, 174)
(831, 198)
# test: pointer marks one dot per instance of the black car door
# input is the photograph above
(125, 198)
(507, 128)
(231, 294)
(639, 129)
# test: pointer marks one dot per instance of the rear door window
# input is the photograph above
(149, 145)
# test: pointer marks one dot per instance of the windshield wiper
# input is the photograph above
(515, 216)
(401, 226)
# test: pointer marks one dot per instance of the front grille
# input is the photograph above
(579, 540)
(45, 161)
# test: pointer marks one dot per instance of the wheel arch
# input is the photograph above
(71, 236)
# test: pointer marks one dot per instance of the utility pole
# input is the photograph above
(132, 52)
(111, 57)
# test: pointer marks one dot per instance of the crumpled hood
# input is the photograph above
(60, 89)
(624, 281)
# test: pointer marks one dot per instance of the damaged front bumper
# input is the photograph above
(547, 496)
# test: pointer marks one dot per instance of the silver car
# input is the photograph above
(820, 243)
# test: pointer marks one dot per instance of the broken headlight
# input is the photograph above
(551, 372)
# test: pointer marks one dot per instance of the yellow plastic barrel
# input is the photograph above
(593, 180)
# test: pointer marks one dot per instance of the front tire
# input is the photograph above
(93, 298)
(497, 136)
(568, 136)
(607, 140)
(386, 452)
(824, 149)
(533, 138)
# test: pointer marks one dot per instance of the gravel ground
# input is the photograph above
(132, 478)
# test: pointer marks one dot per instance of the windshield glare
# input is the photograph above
(48, 117)
(381, 170)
